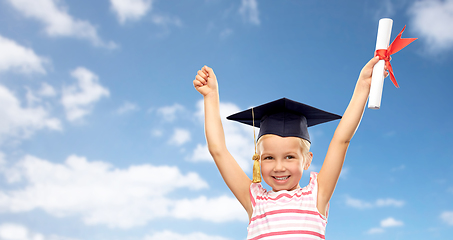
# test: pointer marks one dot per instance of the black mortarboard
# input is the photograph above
(284, 117)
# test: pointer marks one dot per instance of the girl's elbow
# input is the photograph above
(215, 150)
(341, 141)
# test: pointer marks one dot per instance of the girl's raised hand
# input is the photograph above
(366, 73)
(205, 82)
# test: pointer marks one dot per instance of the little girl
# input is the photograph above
(288, 211)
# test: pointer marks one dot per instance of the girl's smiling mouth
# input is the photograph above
(281, 178)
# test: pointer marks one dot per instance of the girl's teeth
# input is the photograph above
(282, 178)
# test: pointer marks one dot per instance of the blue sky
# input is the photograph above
(101, 130)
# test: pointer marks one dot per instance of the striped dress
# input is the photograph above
(286, 214)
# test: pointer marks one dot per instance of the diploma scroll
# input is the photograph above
(377, 80)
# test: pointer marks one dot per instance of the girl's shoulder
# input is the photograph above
(313, 184)
(257, 189)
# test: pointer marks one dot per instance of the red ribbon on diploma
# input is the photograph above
(397, 44)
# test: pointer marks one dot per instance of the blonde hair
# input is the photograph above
(304, 144)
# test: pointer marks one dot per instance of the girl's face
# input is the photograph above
(282, 162)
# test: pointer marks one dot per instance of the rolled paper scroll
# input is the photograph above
(377, 80)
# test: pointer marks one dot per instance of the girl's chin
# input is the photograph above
(280, 187)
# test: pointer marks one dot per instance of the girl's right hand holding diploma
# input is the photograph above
(364, 80)
(205, 82)
(333, 163)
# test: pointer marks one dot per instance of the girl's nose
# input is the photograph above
(279, 167)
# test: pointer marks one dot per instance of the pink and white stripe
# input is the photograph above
(286, 214)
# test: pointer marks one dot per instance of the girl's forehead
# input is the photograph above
(277, 142)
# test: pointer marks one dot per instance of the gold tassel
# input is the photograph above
(256, 157)
(256, 168)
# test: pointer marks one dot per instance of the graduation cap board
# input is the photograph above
(284, 117)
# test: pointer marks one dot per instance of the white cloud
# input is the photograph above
(375, 230)
(130, 10)
(179, 137)
(35, 96)
(202, 208)
(99, 193)
(389, 202)
(357, 203)
(391, 222)
(19, 122)
(447, 217)
(46, 90)
(157, 133)
(226, 33)
(15, 57)
(169, 113)
(58, 23)
(249, 11)
(385, 223)
(165, 21)
(32, 99)
(399, 168)
(12, 231)
(79, 99)
(238, 137)
(360, 204)
(201, 154)
(134, 10)
(168, 235)
(431, 20)
(126, 108)
(2, 160)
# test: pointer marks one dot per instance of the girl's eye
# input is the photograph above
(268, 158)
(289, 157)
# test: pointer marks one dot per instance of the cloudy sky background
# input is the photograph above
(101, 131)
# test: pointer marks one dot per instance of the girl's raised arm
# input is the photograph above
(206, 83)
(331, 168)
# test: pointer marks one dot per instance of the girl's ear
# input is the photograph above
(308, 158)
